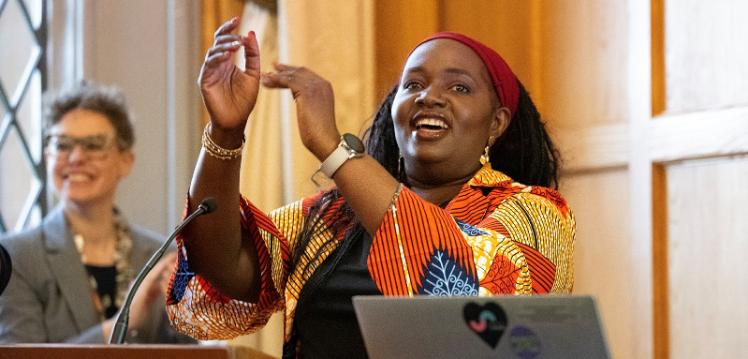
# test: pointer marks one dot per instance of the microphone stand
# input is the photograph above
(120, 326)
(6, 268)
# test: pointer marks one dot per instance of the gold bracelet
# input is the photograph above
(214, 150)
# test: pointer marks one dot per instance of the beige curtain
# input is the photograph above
(334, 38)
(214, 13)
(261, 177)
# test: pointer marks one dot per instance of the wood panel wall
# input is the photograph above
(707, 242)
(697, 143)
(637, 94)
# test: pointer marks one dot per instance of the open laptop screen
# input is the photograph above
(546, 326)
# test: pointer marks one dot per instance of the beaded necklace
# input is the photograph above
(123, 270)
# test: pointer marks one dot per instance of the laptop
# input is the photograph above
(526, 327)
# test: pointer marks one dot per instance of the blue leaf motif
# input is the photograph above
(444, 277)
(181, 279)
(469, 229)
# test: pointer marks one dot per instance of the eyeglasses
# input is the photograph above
(94, 147)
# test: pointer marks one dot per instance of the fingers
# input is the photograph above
(226, 39)
(227, 27)
(251, 54)
(224, 43)
(225, 47)
(286, 68)
(275, 80)
(284, 76)
(221, 52)
(300, 80)
(217, 59)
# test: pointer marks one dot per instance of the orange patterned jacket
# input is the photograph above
(495, 237)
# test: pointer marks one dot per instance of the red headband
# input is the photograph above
(504, 81)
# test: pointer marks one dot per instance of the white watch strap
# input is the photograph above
(336, 159)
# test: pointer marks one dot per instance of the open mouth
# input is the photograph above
(431, 124)
(77, 177)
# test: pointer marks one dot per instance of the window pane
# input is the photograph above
(17, 45)
(22, 84)
(16, 181)
(34, 8)
(29, 116)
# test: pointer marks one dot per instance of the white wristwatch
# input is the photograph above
(349, 147)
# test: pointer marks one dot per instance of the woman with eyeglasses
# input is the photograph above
(72, 272)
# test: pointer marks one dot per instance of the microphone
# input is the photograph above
(119, 330)
(6, 268)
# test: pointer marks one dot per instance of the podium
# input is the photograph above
(128, 351)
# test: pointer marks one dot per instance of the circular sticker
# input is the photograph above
(524, 342)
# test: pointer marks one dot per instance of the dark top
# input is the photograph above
(106, 287)
(325, 321)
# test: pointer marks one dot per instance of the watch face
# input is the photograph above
(353, 142)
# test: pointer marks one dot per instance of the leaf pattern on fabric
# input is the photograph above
(181, 279)
(469, 229)
(502, 276)
(444, 277)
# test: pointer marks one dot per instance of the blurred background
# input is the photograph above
(647, 100)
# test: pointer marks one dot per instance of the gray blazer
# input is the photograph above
(48, 297)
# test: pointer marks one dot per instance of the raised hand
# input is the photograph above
(315, 106)
(228, 92)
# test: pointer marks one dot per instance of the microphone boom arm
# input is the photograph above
(119, 329)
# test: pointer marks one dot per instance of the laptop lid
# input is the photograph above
(546, 326)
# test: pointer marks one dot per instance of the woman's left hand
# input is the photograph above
(315, 106)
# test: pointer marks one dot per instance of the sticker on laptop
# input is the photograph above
(487, 321)
(524, 342)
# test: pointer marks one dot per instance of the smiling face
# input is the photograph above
(84, 159)
(445, 111)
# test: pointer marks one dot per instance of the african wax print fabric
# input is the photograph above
(495, 237)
